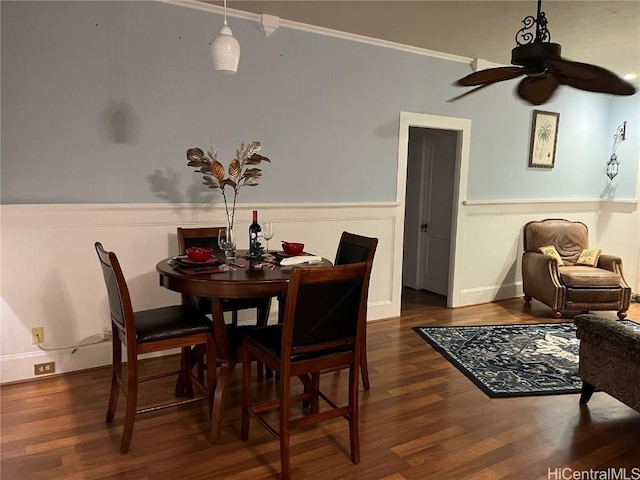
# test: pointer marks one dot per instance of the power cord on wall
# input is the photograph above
(105, 336)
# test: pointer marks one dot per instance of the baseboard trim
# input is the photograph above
(490, 293)
(20, 366)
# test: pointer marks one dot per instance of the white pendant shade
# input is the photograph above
(225, 51)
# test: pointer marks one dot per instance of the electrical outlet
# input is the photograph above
(37, 335)
(44, 368)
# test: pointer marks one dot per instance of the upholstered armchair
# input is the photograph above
(570, 276)
(609, 359)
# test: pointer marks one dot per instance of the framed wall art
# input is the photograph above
(544, 136)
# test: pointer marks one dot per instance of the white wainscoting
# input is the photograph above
(492, 240)
(51, 278)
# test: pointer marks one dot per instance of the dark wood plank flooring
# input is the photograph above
(422, 419)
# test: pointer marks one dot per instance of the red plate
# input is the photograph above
(187, 261)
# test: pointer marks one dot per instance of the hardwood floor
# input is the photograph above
(422, 419)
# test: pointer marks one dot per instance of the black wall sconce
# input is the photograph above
(613, 163)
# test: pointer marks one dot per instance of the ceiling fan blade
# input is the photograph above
(490, 75)
(537, 90)
(589, 77)
(469, 92)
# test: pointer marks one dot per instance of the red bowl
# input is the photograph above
(199, 254)
(292, 248)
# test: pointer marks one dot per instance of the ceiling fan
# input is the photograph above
(539, 59)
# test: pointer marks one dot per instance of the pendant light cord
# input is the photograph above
(225, 12)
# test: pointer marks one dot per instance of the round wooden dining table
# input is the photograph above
(239, 282)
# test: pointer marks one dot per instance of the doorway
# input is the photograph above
(429, 206)
(432, 140)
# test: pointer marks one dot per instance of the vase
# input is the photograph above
(231, 254)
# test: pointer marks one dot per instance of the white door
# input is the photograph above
(411, 269)
(437, 193)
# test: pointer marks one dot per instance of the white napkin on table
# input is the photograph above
(285, 262)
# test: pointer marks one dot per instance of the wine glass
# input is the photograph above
(226, 242)
(267, 233)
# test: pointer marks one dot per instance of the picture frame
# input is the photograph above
(544, 138)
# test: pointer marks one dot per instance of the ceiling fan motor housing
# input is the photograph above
(544, 68)
(535, 53)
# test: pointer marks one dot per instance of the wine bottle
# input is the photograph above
(255, 248)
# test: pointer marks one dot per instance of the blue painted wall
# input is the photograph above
(100, 101)
(628, 151)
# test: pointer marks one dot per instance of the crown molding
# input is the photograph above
(328, 32)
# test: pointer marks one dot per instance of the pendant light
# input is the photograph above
(225, 49)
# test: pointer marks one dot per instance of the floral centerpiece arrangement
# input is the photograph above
(242, 172)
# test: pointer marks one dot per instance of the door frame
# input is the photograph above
(463, 127)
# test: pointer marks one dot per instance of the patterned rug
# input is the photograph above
(512, 360)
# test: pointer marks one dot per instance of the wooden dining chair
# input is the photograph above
(208, 237)
(231, 354)
(149, 331)
(322, 329)
(355, 248)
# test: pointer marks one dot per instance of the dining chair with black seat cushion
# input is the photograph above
(321, 332)
(149, 331)
(208, 237)
(355, 248)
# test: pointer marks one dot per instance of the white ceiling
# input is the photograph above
(604, 33)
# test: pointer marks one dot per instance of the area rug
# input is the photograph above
(512, 360)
